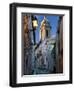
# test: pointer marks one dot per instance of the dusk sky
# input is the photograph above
(53, 20)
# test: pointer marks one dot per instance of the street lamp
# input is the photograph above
(34, 26)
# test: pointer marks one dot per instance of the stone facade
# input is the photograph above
(27, 62)
(44, 29)
(59, 48)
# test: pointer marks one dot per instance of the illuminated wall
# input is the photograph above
(44, 29)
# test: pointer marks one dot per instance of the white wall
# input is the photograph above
(4, 43)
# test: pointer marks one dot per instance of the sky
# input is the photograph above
(52, 19)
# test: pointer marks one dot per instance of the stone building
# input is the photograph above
(45, 29)
(44, 57)
(27, 46)
(59, 48)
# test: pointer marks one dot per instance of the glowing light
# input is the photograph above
(35, 23)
